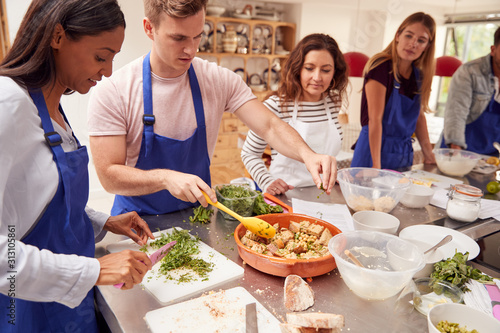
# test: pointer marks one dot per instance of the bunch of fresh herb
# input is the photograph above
(201, 214)
(239, 199)
(456, 271)
(261, 207)
(182, 255)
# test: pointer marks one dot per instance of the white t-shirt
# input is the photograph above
(116, 104)
(28, 182)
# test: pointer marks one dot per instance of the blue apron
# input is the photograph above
(398, 125)
(64, 228)
(482, 132)
(159, 152)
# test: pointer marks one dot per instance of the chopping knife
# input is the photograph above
(251, 318)
(155, 257)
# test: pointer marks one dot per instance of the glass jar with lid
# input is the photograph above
(464, 202)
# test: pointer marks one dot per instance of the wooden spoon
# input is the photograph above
(353, 258)
(254, 224)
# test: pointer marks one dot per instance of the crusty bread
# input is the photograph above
(316, 320)
(289, 328)
(298, 294)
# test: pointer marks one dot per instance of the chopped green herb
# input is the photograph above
(201, 214)
(182, 256)
(456, 271)
(261, 207)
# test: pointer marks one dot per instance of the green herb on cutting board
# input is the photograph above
(181, 256)
(261, 207)
(456, 271)
(201, 214)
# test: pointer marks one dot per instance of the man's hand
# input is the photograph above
(124, 224)
(186, 187)
(322, 164)
(128, 267)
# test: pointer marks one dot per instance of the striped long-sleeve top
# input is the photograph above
(254, 146)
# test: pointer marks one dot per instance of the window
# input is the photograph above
(467, 40)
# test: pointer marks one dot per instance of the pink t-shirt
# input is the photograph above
(116, 104)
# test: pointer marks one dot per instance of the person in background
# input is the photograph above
(396, 90)
(47, 233)
(311, 91)
(153, 125)
(472, 114)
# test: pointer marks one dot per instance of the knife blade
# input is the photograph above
(155, 257)
(251, 318)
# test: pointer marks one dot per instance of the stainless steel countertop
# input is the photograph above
(124, 311)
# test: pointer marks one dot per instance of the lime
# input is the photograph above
(493, 187)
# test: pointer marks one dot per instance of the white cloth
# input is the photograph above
(255, 146)
(28, 181)
(116, 104)
(321, 137)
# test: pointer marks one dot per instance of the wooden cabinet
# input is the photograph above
(262, 48)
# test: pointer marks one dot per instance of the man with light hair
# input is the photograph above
(158, 162)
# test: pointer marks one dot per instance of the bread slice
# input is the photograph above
(289, 328)
(316, 320)
(298, 294)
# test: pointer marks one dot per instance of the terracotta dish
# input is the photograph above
(282, 266)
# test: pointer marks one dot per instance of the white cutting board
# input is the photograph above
(222, 312)
(168, 291)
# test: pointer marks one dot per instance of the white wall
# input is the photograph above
(357, 25)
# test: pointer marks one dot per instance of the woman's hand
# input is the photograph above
(128, 267)
(124, 224)
(279, 186)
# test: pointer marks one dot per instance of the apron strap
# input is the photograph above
(53, 138)
(396, 95)
(147, 92)
(197, 99)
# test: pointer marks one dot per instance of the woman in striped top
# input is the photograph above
(312, 87)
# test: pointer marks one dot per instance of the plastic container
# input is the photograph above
(464, 202)
(242, 205)
(455, 162)
(378, 279)
(375, 221)
(372, 189)
(430, 292)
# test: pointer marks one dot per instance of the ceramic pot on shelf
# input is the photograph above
(230, 40)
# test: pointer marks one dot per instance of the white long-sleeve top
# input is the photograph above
(28, 182)
(254, 146)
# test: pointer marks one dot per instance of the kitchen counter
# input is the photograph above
(124, 310)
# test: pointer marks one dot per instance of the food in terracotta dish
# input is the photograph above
(301, 240)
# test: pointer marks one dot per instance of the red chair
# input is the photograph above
(356, 62)
(447, 65)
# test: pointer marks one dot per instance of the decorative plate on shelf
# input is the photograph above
(240, 72)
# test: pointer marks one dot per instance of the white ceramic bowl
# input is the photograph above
(375, 221)
(215, 10)
(430, 258)
(417, 196)
(455, 162)
(378, 280)
(464, 316)
(372, 189)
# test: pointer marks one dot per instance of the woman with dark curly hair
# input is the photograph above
(311, 91)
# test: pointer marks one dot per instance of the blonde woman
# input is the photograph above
(396, 96)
